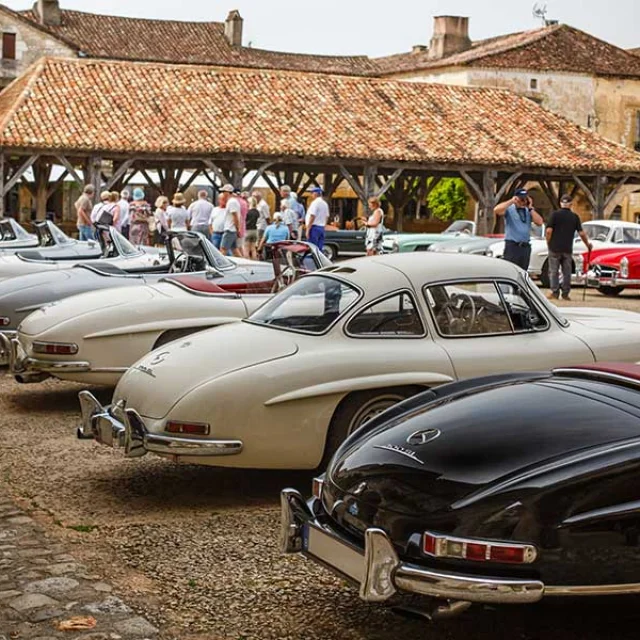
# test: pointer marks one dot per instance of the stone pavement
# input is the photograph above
(44, 591)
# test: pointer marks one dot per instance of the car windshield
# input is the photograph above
(310, 305)
(11, 230)
(50, 235)
(598, 232)
(460, 226)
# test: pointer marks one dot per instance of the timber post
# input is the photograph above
(489, 183)
(237, 173)
(2, 194)
(95, 176)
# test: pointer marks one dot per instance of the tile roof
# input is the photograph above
(553, 48)
(116, 107)
(173, 41)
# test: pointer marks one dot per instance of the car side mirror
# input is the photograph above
(212, 273)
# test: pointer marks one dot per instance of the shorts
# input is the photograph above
(201, 228)
(240, 242)
(229, 241)
(252, 236)
(216, 239)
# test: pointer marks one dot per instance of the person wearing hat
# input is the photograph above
(518, 213)
(231, 205)
(561, 230)
(178, 214)
(96, 212)
(317, 218)
(139, 215)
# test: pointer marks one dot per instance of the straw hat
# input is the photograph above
(178, 199)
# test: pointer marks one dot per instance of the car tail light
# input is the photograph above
(55, 348)
(190, 428)
(318, 484)
(442, 546)
(4, 321)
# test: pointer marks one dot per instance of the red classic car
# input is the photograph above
(610, 270)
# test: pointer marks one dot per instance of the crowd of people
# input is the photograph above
(240, 223)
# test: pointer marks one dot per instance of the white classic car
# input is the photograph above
(283, 388)
(95, 337)
(602, 233)
(111, 246)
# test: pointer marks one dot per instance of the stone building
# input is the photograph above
(593, 83)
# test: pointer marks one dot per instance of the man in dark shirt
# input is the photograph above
(561, 230)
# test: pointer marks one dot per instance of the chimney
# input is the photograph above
(233, 28)
(48, 12)
(450, 35)
(419, 48)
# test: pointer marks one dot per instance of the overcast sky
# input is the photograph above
(374, 28)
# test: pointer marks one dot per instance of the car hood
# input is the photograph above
(612, 257)
(601, 318)
(158, 381)
(469, 447)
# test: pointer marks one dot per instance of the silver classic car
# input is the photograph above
(13, 237)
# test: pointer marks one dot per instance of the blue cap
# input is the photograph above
(522, 193)
(316, 190)
(138, 194)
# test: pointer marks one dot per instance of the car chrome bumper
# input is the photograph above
(5, 346)
(378, 569)
(131, 434)
(20, 363)
(592, 280)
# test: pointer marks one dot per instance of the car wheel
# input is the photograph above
(331, 251)
(611, 292)
(176, 334)
(356, 409)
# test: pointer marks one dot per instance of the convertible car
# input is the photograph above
(611, 271)
(336, 348)
(449, 499)
(188, 252)
(473, 245)
(13, 237)
(95, 337)
(61, 252)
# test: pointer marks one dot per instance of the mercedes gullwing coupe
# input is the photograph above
(339, 346)
(13, 237)
(95, 337)
(498, 490)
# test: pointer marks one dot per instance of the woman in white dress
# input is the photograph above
(375, 228)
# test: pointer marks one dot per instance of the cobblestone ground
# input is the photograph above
(192, 551)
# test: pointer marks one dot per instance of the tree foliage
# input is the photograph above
(448, 200)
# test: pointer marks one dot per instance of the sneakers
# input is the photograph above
(567, 298)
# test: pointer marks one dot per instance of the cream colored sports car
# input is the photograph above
(283, 388)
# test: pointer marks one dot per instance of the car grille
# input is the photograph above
(603, 271)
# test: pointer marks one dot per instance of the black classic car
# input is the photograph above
(504, 489)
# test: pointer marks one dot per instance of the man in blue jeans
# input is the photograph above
(84, 206)
(518, 213)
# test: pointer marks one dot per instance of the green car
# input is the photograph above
(407, 242)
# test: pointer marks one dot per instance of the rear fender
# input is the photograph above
(168, 325)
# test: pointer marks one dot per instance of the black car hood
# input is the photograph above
(480, 441)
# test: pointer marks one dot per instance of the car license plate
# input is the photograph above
(338, 555)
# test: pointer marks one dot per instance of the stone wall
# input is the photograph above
(31, 44)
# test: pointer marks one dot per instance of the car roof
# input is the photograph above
(613, 223)
(385, 273)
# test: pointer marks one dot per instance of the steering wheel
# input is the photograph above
(460, 313)
(180, 263)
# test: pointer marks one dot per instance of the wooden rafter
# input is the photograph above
(120, 172)
(56, 185)
(259, 173)
(69, 167)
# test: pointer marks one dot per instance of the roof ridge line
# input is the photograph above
(35, 70)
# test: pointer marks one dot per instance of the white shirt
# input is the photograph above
(320, 209)
(123, 220)
(96, 211)
(216, 221)
(178, 217)
(233, 206)
(200, 212)
(161, 219)
(265, 215)
(290, 218)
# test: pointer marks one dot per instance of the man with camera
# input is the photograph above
(518, 213)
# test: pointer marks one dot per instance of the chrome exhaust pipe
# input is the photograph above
(438, 610)
(31, 378)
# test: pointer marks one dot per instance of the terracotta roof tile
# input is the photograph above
(146, 108)
(554, 48)
(173, 41)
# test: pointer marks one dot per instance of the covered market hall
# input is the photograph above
(381, 137)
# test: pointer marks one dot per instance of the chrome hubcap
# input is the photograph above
(371, 409)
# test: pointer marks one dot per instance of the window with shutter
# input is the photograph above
(8, 46)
